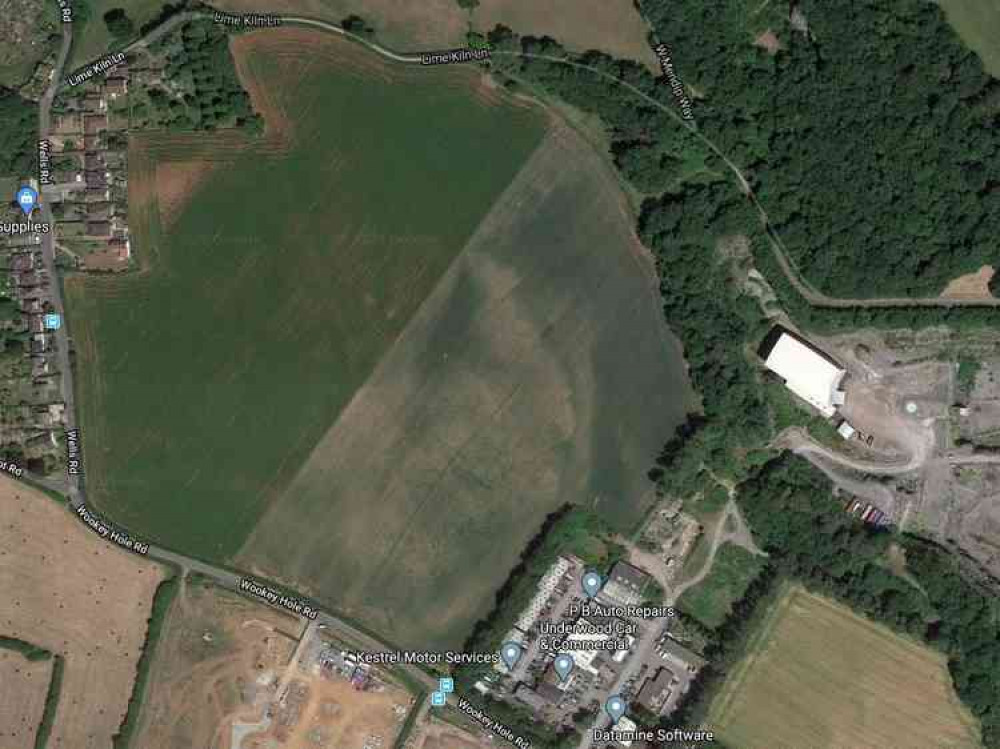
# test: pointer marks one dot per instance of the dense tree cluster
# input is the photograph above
(810, 538)
(18, 128)
(201, 66)
(873, 138)
(119, 25)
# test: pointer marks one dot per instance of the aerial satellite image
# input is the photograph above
(491, 374)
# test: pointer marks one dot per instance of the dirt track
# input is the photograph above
(72, 593)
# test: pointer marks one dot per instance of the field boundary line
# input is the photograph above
(52, 697)
(756, 644)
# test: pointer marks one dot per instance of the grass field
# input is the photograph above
(287, 267)
(733, 569)
(822, 677)
(978, 23)
(539, 372)
(90, 34)
(612, 26)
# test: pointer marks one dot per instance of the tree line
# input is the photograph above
(18, 135)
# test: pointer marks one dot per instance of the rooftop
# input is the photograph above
(807, 372)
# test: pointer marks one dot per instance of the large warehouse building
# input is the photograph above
(810, 374)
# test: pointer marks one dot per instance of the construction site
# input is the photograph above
(236, 674)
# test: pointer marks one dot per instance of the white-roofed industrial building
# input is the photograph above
(808, 373)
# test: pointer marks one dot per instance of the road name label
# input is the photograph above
(667, 66)
(66, 11)
(103, 65)
(657, 736)
(492, 724)
(12, 468)
(454, 56)
(248, 20)
(277, 598)
(106, 531)
(424, 657)
(73, 464)
(14, 228)
(622, 612)
(44, 162)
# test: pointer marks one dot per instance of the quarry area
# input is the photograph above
(921, 445)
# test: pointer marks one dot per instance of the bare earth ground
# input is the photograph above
(822, 677)
(70, 592)
(538, 372)
(213, 648)
(175, 181)
(23, 686)
(337, 715)
(971, 286)
(435, 734)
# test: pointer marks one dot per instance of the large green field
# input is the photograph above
(978, 23)
(540, 372)
(276, 273)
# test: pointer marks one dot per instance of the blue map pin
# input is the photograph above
(563, 666)
(615, 707)
(510, 654)
(592, 583)
(27, 198)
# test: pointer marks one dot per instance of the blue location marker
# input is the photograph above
(563, 666)
(615, 707)
(592, 583)
(510, 654)
(438, 699)
(446, 684)
(27, 198)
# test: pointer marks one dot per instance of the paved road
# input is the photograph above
(61, 337)
(799, 442)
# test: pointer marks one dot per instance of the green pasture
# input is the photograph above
(206, 380)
